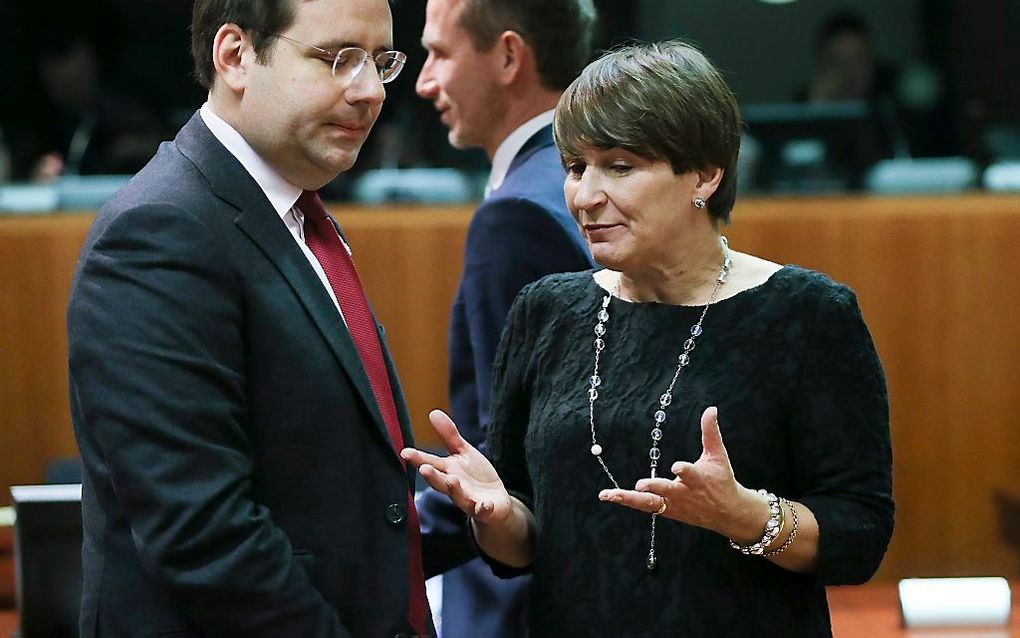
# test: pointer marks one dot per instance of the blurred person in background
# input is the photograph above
(85, 126)
(909, 104)
(495, 70)
(846, 65)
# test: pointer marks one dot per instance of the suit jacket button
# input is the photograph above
(394, 514)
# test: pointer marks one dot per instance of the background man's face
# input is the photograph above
(847, 63)
(459, 80)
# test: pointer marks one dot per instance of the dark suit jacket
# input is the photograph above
(519, 234)
(239, 480)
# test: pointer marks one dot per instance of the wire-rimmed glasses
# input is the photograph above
(349, 61)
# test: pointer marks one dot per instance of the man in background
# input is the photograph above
(845, 64)
(495, 70)
(83, 125)
(235, 406)
(912, 112)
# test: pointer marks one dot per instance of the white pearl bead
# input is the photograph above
(596, 450)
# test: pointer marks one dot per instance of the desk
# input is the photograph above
(869, 611)
(6, 567)
(8, 623)
(873, 611)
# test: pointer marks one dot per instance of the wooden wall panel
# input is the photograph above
(936, 279)
(37, 257)
(936, 285)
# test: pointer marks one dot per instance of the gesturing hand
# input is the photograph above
(704, 493)
(466, 476)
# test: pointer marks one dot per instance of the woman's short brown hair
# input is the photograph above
(661, 101)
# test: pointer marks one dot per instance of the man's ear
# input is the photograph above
(231, 54)
(514, 56)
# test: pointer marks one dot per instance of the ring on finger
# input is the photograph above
(662, 508)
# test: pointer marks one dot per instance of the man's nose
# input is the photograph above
(426, 86)
(366, 86)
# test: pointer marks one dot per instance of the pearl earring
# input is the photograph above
(699, 203)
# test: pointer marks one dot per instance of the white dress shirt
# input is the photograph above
(281, 194)
(509, 148)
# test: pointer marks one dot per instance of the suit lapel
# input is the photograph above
(260, 222)
(542, 138)
(278, 246)
(403, 418)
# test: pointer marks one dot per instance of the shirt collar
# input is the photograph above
(281, 193)
(509, 148)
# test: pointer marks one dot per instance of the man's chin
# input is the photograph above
(459, 141)
(332, 165)
(344, 155)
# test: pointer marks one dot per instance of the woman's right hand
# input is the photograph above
(466, 476)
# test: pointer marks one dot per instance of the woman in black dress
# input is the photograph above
(690, 441)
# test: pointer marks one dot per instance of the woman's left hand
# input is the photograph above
(704, 493)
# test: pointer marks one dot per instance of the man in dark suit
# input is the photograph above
(236, 409)
(495, 70)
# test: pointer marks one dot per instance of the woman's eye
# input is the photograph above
(620, 169)
(575, 169)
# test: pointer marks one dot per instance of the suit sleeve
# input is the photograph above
(156, 354)
(510, 243)
(841, 446)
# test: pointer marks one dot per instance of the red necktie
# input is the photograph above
(324, 242)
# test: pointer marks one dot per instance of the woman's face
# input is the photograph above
(633, 212)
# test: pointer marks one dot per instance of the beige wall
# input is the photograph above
(936, 278)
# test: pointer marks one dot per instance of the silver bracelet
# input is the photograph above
(772, 528)
(789, 539)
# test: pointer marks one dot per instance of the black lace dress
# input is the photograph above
(803, 411)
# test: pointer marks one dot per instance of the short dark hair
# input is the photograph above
(560, 32)
(839, 23)
(661, 101)
(261, 18)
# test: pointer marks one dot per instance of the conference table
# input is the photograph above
(873, 611)
(868, 611)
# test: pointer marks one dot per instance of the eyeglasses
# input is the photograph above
(349, 62)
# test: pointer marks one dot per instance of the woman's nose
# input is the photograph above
(588, 192)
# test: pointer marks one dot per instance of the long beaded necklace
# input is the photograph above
(659, 417)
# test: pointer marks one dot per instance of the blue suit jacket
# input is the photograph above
(519, 234)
